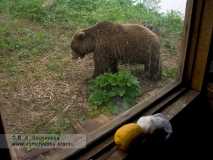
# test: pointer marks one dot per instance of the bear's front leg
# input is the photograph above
(114, 66)
(101, 66)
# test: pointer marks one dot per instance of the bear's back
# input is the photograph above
(129, 31)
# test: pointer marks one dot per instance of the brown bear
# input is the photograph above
(112, 42)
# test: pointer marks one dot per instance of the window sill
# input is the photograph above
(100, 143)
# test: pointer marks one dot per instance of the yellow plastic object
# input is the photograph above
(127, 135)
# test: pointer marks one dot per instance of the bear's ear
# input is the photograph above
(80, 35)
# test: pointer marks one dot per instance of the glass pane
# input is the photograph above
(71, 66)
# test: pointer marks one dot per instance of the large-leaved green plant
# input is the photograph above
(108, 89)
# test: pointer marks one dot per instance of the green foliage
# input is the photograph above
(10, 66)
(170, 73)
(153, 4)
(168, 43)
(66, 123)
(31, 131)
(108, 88)
(53, 129)
(3, 29)
(51, 66)
(30, 9)
(83, 13)
(23, 53)
(80, 119)
(56, 107)
(6, 44)
(174, 22)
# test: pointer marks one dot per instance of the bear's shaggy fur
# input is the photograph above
(112, 42)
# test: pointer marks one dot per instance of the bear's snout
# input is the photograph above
(76, 55)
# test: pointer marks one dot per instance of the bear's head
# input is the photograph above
(82, 43)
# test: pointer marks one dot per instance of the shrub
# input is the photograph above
(108, 88)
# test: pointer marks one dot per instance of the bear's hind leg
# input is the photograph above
(155, 72)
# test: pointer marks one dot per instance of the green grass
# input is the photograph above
(169, 44)
(170, 73)
(80, 119)
(66, 123)
(54, 129)
(31, 131)
(56, 107)
(51, 66)
(74, 14)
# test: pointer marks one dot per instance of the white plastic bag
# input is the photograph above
(153, 122)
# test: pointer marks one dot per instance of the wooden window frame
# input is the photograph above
(197, 34)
